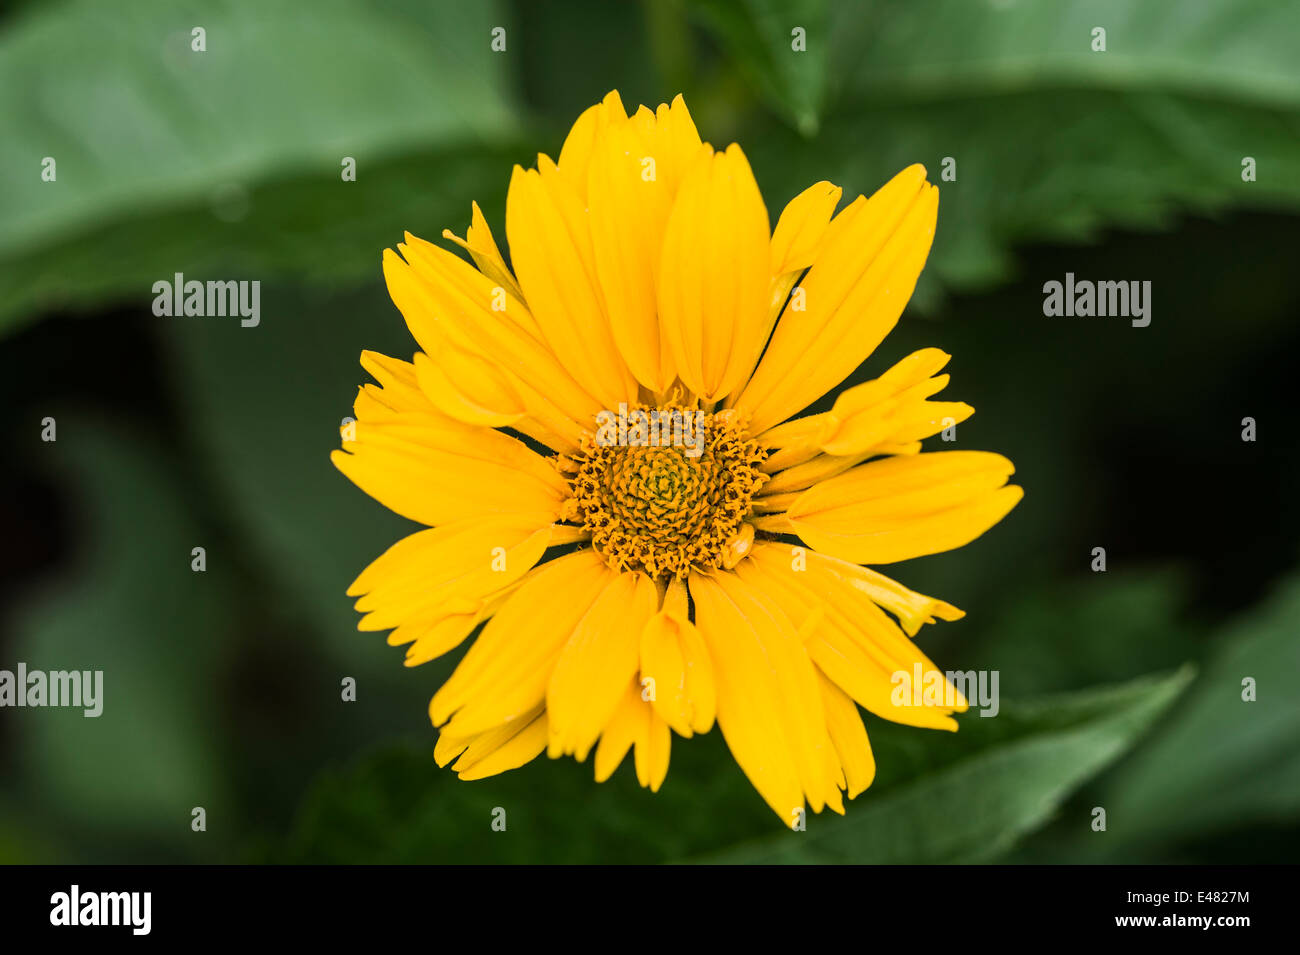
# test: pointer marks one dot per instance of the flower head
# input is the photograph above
(601, 439)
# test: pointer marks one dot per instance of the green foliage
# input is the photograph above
(267, 442)
(1050, 139)
(976, 796)
(223, 688)
(780, 48)
(171, 160)
(159, 631)
(940, 799)
(1224, 761)
(1221, 765)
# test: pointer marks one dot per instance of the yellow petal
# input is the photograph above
(473, 748)
(769, 704)
(653, 746)
(496, 751)
(715, 273)
(575, 155)
(632, 181)
(680, 141)
(906, 506)
(801, 476)
(504, 674)
(444, 299)
(674, 656)
(849, 736)
(849, 638)
(598, 660)
(912, 609)
(635, 723)
(550, 244)
(888, 410)
(799, 232)
(480, 391)
(468, 388)
(868, 264)
(428, 638)
(434, 469)
(397, 390)
(482, 248)
(427, 573)
(620, 732)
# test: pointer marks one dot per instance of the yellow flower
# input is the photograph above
(601, 444)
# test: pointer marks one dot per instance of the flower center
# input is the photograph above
(667, 489)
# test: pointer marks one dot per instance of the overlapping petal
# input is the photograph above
(882, 414)
(497, 750)
(633, 176)
(433, 587)
(901, 507)
(596, 664)
(635, 724)
(677, 663)
(769, 703)
(847, 635)
(433, 469)
(867, 265)
(797, 238)
(482, 248)
(714, 277)
(551, 246)
(487, 355)
(504, 675)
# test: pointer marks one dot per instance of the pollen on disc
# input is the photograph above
(671, 493)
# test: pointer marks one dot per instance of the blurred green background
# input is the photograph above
(1119, 689)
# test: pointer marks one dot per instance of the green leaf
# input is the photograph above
(939, 797)
(1243, 49)
(267, 440)
(171, 160)
(1088, 631)
(1011, 775)
(786, 66)
(134, 609)
(396, 806)
(1221, 762)
(1050, 140)
(263, 407)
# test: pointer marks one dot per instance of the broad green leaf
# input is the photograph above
(1241, 48)
(135, 610)
(172, 160)
(1219, 763)
(1048, 139)
(996, 790)
(780, 47)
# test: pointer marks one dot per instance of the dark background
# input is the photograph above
(1120, 690)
